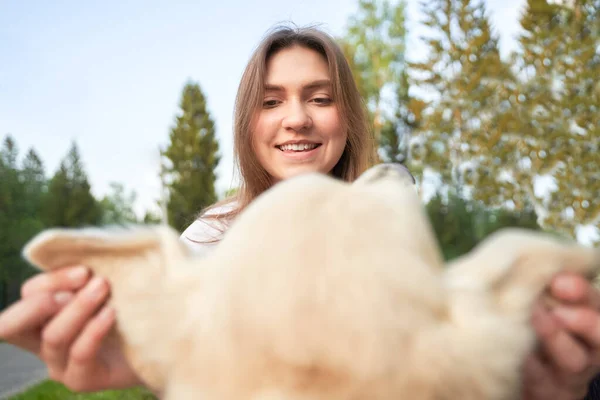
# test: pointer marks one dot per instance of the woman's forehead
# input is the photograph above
(296, 64)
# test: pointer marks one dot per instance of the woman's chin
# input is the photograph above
(297, 170)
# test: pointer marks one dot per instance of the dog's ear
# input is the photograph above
(93, 247)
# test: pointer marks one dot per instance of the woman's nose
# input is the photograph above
(297, 117)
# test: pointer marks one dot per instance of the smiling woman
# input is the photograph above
(298, 110)
(298, 128)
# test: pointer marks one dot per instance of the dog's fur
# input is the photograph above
(323, 290)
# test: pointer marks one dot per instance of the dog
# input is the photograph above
(323, 289)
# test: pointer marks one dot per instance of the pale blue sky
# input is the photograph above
(109, 74)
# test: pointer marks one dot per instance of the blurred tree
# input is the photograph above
(11, 193)
(117, 206)
(559, 101)
(69, 201)
(190, 159)
(231, 192)
(32, 177)
(151, 217)
(397, 130)
(375, 44)
(21, 191)
(466, 124)
(461, 224)
(350, 53)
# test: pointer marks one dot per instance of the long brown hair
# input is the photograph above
(357, 155)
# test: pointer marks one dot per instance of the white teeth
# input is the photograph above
(298, 147)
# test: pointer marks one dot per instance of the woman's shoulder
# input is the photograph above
(208, 229)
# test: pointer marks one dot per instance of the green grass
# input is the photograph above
(50, 390)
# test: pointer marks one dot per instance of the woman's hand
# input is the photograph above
(63, 319)
(569, 355)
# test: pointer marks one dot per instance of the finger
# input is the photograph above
(581, 321)
(64, 279)
(543, 322)
(575, 289)
(60, 333)
(83, 358)
(31, 313)
(565, 353)
(537, 377)
(88, 343)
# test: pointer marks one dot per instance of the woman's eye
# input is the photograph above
(269, 103)
(322, 100)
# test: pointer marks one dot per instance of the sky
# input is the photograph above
(109, 75)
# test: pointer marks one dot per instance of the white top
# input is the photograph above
(200, 236)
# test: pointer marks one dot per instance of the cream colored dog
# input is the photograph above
(323, 290)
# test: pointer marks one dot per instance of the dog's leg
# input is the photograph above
(137, 262)
(492, 291)
(515, 266)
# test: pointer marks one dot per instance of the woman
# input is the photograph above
(297, 110)
(295, 123)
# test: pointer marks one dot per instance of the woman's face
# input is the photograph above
(298, 128)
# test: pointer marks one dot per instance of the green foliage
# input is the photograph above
(559, 102)
(51, 390)
(461, 224)
(374, 45)
(29, 203)
(69, 201)
(230, 192)
(151, 218)
(396, 131)
(462, 134)
(20, 199)
(117, 207)
(190, 159)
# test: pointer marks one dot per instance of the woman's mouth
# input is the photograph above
(298, 147)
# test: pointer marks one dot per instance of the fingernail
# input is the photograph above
(78, 273)
(62, 298)
(96, 288)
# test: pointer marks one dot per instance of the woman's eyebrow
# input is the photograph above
(317, 84)
(274, 88)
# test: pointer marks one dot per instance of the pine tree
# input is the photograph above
(69, 201)
(11, 196)
(33, 181)
(21, 191)
(462, 136)
(191, 159)
(9, 176)
(117, 206)
(560, 101)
